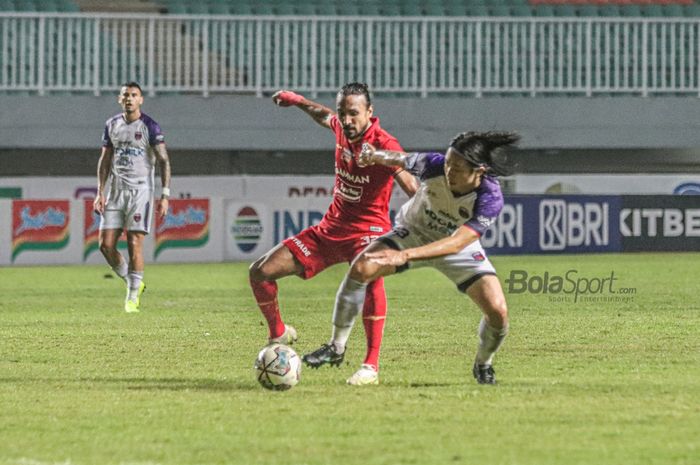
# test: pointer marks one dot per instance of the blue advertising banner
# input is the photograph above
(556, 224)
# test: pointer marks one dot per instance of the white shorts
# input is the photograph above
(462, 268)
(129, 209)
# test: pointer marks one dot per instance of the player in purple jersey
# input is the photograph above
(132, 145)
(458, 199)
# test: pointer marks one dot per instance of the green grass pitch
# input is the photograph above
(603, 382)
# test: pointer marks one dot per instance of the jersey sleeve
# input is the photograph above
(425, 165)
(334, 123)
(488, 205)
(155, 134)
(106, 140)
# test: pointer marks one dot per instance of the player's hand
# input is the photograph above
(365, 157)
(98, 205)
(162, 207)
(388, 257)
(287, 98)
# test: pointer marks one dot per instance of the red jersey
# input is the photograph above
(361, 195)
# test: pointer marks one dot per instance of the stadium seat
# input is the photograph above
(587, 10)
(692, 11)
(500, 10)
(411, 9)
(284, 9)
(521, 10)
(219, 8)
(7, 5)
(543, 10)
(25, 5)
(673, 10)
(390, 9)
(631, 11)
(197, 8)
(652, 11)
(609, 10)
(238, 8)
(328, 9)
(565, 11)
(434, 9)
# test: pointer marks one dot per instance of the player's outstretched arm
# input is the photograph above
(103, 166)
(459, 239)
(408, 183)
(163, 161)
(371, 156)
(319, 113)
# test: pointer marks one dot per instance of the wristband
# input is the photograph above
(289, 98)
(166, 192)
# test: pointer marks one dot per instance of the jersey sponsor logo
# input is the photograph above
(465, 213)
(376, 229)
(160, 138)
(437, 222)
(364, 179)
(247, 229)
(478, 256)
(301, 246)
(39, 225)
(348, 192)
(186, 224)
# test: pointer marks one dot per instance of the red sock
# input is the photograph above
(373, 317)
(265, 293)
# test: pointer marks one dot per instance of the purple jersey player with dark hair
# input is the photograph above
(458, 199)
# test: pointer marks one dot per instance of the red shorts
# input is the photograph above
(317, 250)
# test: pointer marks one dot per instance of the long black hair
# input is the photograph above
(484, 149)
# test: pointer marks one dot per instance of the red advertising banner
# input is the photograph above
(39, 225)
(185, 225)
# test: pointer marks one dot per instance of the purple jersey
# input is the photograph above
(133, 163)
(435, 213)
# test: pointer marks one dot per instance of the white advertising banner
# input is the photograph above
(607, 184)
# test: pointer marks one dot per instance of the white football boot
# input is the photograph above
(364, 376)
(288, 337)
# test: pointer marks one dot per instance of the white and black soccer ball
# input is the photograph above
(277, 367)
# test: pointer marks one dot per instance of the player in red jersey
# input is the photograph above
(358, 214)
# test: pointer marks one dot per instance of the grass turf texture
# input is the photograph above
(81, 382)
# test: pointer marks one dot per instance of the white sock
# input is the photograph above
(348, 304)
(490, 340)
(121, 270)
(135, 278)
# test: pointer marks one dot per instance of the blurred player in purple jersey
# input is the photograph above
(458, 199)
(132, 145)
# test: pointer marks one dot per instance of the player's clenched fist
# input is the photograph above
(287, 98)
(365, 157)
(98, 205)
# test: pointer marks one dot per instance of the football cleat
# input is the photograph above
(288, 337)
(484, 374)
(131, 306)
(324, 354)
(364, 376)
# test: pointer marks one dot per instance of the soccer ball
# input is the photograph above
(277, 367)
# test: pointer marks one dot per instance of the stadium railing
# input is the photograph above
(418, 56)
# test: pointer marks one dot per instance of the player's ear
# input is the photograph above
(370, 110)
